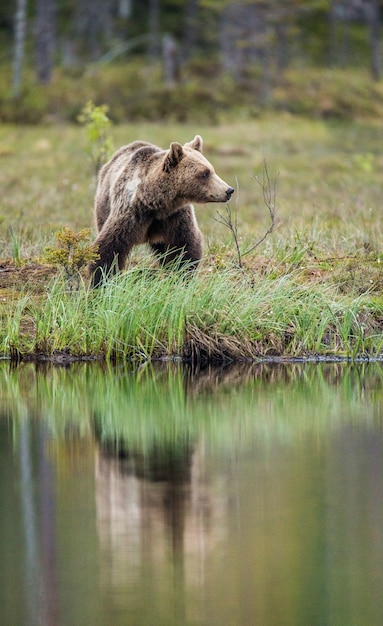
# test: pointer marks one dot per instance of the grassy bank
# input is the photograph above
(314, 287)
(220, 315)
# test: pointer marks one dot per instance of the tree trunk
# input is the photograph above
(154, 29)
(372, 14)
(18, 54)
(190, 29)
(45, 39)
(332, 24)
(232, 40)
(282, 46)
(124, 8)
(93, 27)
(170, 58)
(340, 17)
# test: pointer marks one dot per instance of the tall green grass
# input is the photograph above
(146, 313)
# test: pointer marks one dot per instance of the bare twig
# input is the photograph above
(232, 226)
(269, 192)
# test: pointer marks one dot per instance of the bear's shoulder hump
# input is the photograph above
(143, 153)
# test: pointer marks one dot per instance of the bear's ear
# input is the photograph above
(196, 144)
(174, 156)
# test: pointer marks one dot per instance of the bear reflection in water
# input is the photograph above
(158, 507)
(158, 483)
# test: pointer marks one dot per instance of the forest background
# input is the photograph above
(189, 59)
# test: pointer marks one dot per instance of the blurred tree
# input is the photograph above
(45, 39)
(372, 12)
(93, 26)
(171, 60)
(190, 29)
(154, 29)
(258, 34)
(348, 12)
(254, 40)
(19, 42)
(124, 8)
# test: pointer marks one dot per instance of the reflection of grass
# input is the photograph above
(142, 407)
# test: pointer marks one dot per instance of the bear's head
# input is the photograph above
(193, 175)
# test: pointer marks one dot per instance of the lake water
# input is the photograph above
(161, 496)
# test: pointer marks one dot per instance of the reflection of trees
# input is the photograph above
(36, 581)
(353, 530)
(229, 492)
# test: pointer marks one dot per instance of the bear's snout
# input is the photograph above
(229, 192)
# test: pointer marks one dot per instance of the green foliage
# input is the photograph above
(324, 93)
(97, 124)
(134, 92)
(72, 253)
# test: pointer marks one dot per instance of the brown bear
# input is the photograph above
(144, 195)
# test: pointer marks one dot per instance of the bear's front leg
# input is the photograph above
(177, 239)
(113, 245)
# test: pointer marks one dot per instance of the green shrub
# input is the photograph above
(72, 252)
(97, 125)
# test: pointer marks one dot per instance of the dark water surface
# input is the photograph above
(159, 496)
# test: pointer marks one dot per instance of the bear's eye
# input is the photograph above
(206, 174)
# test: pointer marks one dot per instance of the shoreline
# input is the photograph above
(222, 316)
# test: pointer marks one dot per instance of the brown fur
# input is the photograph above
(144, 195)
